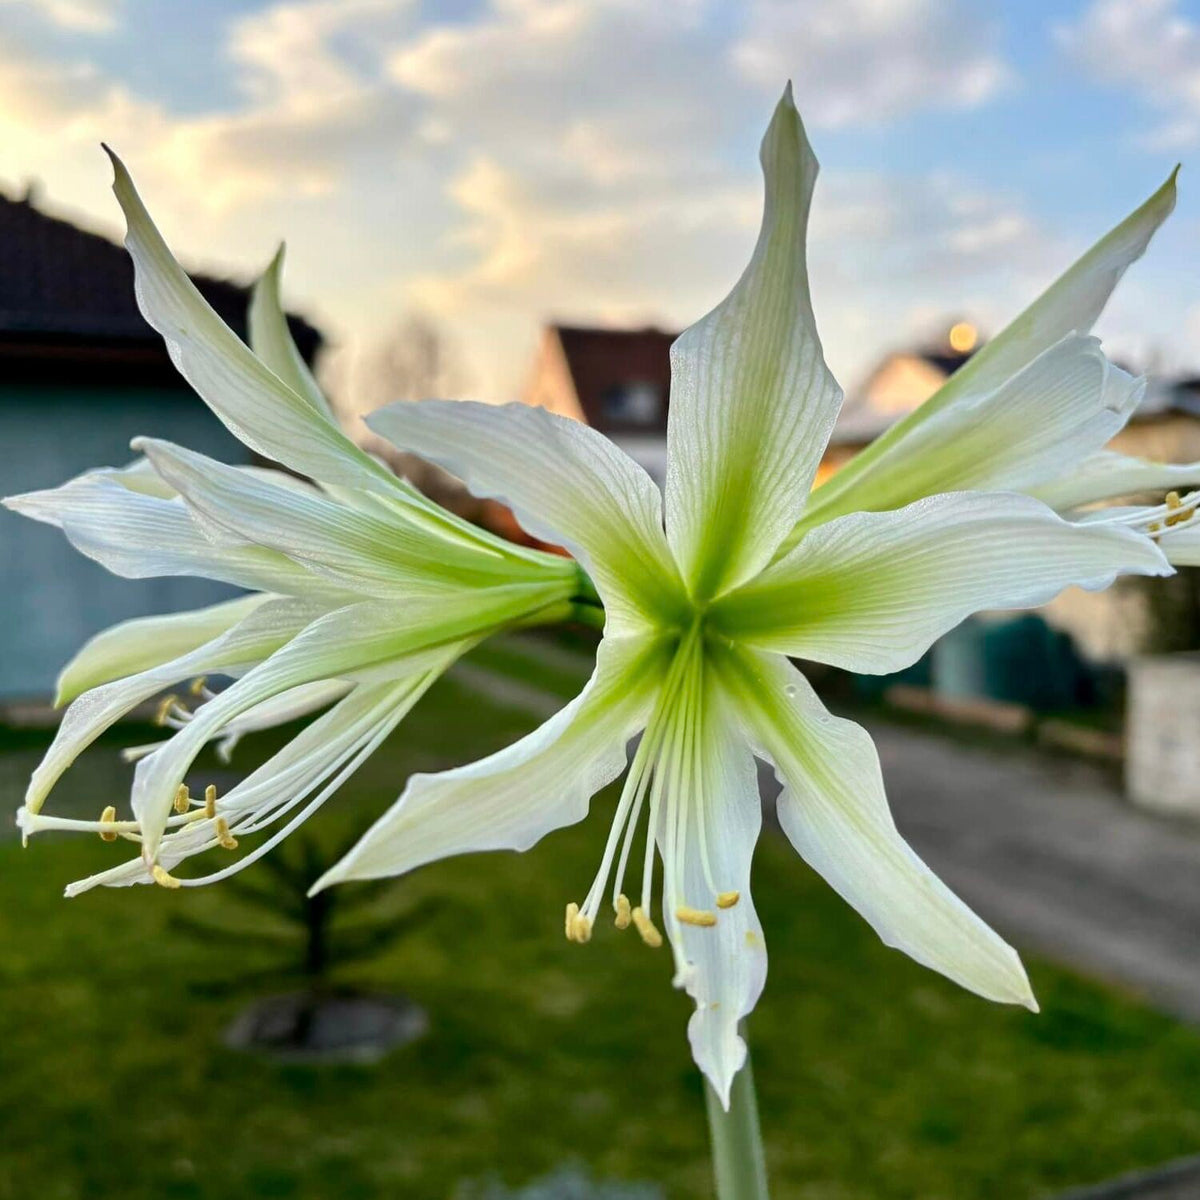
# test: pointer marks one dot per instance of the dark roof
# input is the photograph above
(946, 361)
(604, 360)
(67, 303)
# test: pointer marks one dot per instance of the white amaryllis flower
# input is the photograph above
(363, 591)
(705, 603)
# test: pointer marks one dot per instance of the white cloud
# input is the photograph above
(866, 61)
(1150, 47)
(74, 16)
(591, 159)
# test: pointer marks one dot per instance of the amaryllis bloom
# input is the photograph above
(710, 591)
(362, 591)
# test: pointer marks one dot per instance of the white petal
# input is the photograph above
(140, 536)
(353, 549)
(256, 405)
(280, 710)
(752, 402)
(146, 642)
(728, 962)
(318, 759)
(1062, 407)
(257, 635)
(871, 592)
(566, 484)
(834, 810)
(1070, 305)
(1181, 544)
(363, 641)
(271, 339)
(511, 799)
(1106, 475)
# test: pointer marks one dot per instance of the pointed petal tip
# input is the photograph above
(120, 173)
(330, 877)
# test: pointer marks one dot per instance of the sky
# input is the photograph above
(499, 163)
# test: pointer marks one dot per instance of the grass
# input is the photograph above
(878, 1080)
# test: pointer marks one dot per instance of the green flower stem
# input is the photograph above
(590, 615)
(739, 1169)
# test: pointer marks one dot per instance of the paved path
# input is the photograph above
(1048, 851)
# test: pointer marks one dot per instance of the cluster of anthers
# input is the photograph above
(666, 775)
(189, 812)
(1152, 520)
(1174, 510)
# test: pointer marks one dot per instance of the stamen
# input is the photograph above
(1172, 500)
(623, 912)
(225, 839)
(695, 916)
(199, 685)
(210, 801)
(106, 818)
(646, 928)
(163, 878)
(183, 799)
(578, 927)
(163, 712)
(728, 899)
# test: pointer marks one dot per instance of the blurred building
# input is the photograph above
(616, 380)
(897, 384)
(619, 381)
(81, 373)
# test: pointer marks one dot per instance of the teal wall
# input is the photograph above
(53, 598)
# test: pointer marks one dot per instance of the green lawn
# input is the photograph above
(878, 1080)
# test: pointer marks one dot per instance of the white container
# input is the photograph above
(1162, 757)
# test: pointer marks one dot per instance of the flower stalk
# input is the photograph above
(739, 1167)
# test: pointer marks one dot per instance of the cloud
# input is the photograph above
(1150, 48)
(75, 16)
(591, 159)
(864, 61)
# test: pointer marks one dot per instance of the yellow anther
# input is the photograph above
(163, 711)
(225, 839)
(646, 927)
(728, 899)
(1154, 527)
(578, 927)
(1172, 500)
(1178, 518)
(695, 916)
(198, 685)
(106, 818)
(163, 878)
(210, 801)
(623, 912)
(183, 799)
